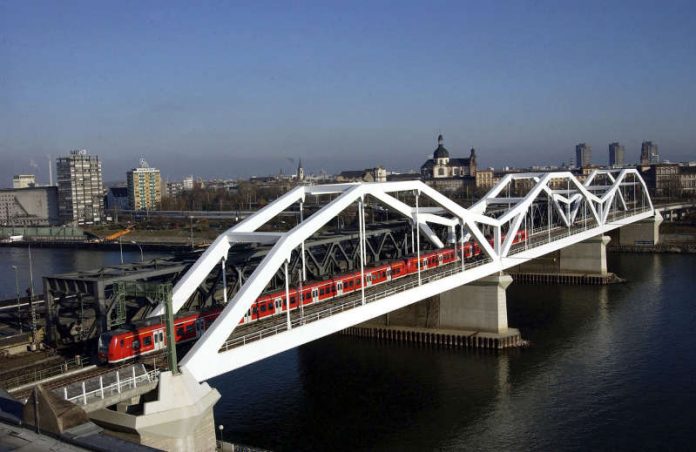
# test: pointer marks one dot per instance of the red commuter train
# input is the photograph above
(123, 344)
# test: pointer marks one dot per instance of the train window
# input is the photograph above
(321, 291)
(180, 331)
(292, 299)
(121, 342)
(189, 328)
(161, 335)
(256, 310)
(263, 308)
(270, 306)
(147, 341)
(136, 344)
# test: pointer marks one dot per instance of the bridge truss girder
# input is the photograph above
(564, 195)
(324, 256)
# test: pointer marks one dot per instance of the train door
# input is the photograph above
(368, 279)
(439, 259)
(278, 303)
(200, 327)
(315, 295)
(389, 277)
(247, 316)
(424, 264)
(339, 288)
(158, 336)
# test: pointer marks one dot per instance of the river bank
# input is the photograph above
(104, 246)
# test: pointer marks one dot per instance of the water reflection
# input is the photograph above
(589, 381)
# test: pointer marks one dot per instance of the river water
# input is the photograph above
(608, 368)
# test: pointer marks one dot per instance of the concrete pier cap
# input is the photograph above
(180, 419)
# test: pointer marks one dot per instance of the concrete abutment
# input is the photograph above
(179, 418)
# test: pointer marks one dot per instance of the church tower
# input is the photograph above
(472, 162)
(300, 172)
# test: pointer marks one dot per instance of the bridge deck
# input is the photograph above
(245, 334)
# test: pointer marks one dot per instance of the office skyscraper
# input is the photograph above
(80, 191)
(583, 155)
(649, 153)
(616, 155)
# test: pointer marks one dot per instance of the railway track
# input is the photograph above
(256, 330)
(154, 361)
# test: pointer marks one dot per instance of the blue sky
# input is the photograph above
(224, 89)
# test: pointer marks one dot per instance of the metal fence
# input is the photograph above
(107, 385)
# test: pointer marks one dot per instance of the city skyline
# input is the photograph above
(288, 167)
(239, 90)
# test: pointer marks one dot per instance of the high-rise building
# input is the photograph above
(80, 190)
(144, 187)
(583, 155)
(649, 154)
(23, 181)
(616, 155)
(188, 183)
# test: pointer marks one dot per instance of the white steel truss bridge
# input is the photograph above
(554, 210)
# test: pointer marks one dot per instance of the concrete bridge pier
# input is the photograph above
(477, 306)
(470, 316)
(645, 232)
(582, 263)
(589, 256)
(176, 416)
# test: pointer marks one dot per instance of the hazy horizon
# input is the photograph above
(235, 90)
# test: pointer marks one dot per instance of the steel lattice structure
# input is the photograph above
(555, 209)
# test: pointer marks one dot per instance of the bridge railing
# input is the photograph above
(354, 301)
(107, 385)
(558, 200)
(538, 236)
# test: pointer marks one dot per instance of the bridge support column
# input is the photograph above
(180, 419)
(589, 256)
(646, 232)
(477, 306)
(470, 316)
